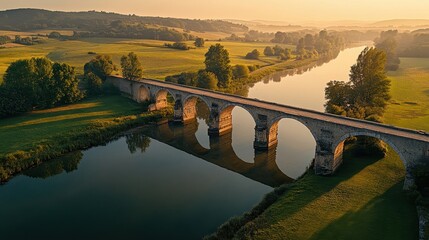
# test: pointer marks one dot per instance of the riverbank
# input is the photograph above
(365, 194)
(30, 139)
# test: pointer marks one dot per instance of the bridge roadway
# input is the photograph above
(340, 120)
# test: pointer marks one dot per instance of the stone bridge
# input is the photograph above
(330, 131)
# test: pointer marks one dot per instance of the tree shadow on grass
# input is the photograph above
(375, 221)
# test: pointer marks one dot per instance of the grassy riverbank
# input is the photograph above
(364, 199)
(41, 135)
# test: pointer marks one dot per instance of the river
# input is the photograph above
(168, 182)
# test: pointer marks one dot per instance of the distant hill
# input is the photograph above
(31, 19)
(402, 23)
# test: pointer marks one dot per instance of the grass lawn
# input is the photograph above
(35, 128)
(364, 199)
(157, 60)
(410, 94)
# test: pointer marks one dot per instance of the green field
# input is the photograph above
(157, 60)
(410, 95)
(364, 199)
(39, 127)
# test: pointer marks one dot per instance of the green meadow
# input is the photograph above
(364, 199)
(158, 61)
(32, 129)
(410, 95)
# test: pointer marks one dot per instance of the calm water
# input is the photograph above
(168, 182)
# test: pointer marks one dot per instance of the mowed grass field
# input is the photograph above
(30, 130)
(410, 95)
(364, 199)
(158, 61)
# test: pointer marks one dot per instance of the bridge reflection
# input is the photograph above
(182, 137)
(264, 169)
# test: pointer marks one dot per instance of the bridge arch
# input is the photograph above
(296, 145)
(275, 121)
(198, 108)
(229, 107)
(241, 121)
(340, 142)
(161, 97)
(192, 99)
(143, 94)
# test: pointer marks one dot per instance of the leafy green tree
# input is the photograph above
(207, 80)
(199, 42)
(67, 84)
(101, 65)
(286, 55)
(278, 50)
(240, 71)
(13, 102)
(268, 51)
(217, 61)
(366, 93)
(365, 96)
(37, 83)
(131, 67)
(94, 84)
(253, 54)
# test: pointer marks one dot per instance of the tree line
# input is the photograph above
(36, 19)
(396, 44)
(39, 83)
(218, 72)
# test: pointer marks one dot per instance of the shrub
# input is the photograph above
(253, 54)
(240, 71)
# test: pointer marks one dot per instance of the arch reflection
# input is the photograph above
(263, 170)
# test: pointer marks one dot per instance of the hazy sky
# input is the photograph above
(280, 10)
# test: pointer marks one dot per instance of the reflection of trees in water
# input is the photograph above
(277, 76)
(203, 111)
(137, 140)
(67, 163)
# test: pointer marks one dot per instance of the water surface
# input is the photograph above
(168, 182)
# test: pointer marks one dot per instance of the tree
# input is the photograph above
(286, 55)
(388, 44)
(55, 35)
(268, 51)
(93, 84)
(278, 50)
(365, 96)
(101, 65)
(38, 83)
(240, 71)
(199, 42)
(207, 80)
(131, 67)
(217, 61)
(366, 93)
(66, 83)
(253, 54)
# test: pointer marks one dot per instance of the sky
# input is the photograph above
(292, 11)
